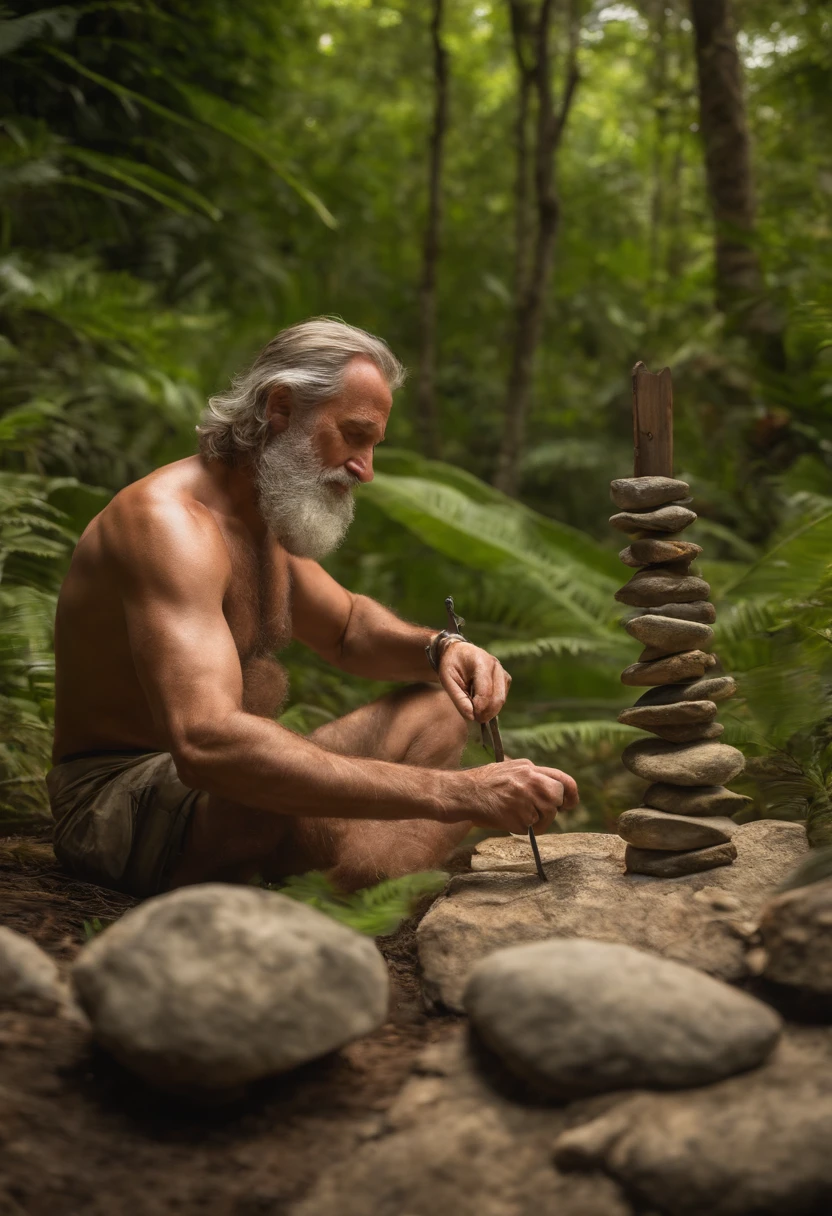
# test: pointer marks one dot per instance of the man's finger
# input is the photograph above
(570, 787)
(459, 696)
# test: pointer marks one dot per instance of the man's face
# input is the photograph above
(308, 470)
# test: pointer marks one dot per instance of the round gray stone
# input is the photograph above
(687, 734)
(656, 863)
(698, 800)
(681, 713)
(699, 610)
(579, 1017)
(642, 493)
(796, 928)
(29, 980)
(708, 688)
(209, 987)
(656, 584)
(672, 518)
(668, 670)
(651, 551)
(668, 634)
(649, 829)
(683, 763)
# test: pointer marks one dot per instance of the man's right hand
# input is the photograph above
(511, 796)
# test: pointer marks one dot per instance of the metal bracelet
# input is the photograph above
(432, 650)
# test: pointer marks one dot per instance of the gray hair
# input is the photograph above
(310, 359)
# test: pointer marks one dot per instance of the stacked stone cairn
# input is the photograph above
(684, 824)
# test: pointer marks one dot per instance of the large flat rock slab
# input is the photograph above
(702, 919)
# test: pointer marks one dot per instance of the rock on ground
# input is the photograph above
(796, 929)
(649, 829)
(754, 1145)
(213, 986)
(580, 1017)
(705, 919)
(665, 864)
(29, 980)
(454, 1145)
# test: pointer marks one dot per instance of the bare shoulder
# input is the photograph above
(157, 527)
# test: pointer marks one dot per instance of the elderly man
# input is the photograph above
(169, 765)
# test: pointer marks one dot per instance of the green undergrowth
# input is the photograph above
(374, 911)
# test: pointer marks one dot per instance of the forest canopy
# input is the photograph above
(523, 198)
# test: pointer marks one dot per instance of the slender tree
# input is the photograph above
(426, 383)
(740, 288)
(542, 117)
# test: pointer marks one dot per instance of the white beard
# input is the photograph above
(298, 498)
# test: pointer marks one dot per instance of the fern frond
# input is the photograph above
(374, 911)
(552, 736)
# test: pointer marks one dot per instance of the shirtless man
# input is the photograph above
(169, 765)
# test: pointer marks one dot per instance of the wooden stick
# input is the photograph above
(652, 422)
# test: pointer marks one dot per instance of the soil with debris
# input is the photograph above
(79, 1136)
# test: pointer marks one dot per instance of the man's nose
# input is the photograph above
(360, 467)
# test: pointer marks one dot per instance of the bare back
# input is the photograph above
(100, 702)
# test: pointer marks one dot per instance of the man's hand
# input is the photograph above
(475, 681)
(512, 796)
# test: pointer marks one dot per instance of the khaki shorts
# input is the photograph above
(120, 818)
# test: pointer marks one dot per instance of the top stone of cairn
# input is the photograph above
(642, 493)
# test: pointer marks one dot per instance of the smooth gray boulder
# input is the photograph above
(681, 713)
(642, 493)
(688, 665)
(656, 863)
(698, 610)
(683, 763)
(649, 829)
(579, 1017)
(705, 919)
(29, 980)
(672, 518)
(209, 987)
(657, 584)
(708, 688)
(796, 928)
(754, 1144)
(669, 634)
(698, 800)
(688, 734)
(652, 551)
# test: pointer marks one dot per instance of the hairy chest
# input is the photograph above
(258, 602)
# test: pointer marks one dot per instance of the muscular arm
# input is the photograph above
(360, 636)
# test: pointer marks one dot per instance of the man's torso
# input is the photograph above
(99, 699)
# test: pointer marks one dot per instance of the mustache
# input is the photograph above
(339, 477)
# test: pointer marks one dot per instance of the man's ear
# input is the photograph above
(279, 408)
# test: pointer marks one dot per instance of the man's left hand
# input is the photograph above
(475, 681)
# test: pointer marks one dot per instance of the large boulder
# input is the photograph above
(703, 919)
(29, 980)
(578, 1017)
(209, 987)
(755, 1144)
(796, 929)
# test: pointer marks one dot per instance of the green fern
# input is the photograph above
(374, 911)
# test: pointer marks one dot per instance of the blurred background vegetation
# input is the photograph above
(523, 197)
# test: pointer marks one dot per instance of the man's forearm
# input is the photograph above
(255, 762)
(380, 646)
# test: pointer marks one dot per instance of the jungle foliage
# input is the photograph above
(178, 181)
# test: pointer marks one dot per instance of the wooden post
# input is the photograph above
(652, 422)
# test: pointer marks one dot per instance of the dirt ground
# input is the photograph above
(79, 1135)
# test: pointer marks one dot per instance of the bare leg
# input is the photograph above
(416, 725)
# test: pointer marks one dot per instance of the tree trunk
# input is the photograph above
(531, 35)
(426, 382)
(740, 288)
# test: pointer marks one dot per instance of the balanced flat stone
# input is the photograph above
(651, 551)
(699, 800)
(649, 829)
(669, 635)
(651, 653)
(682, 713)
(710, 688)
(687, 734)
(642, 493)
(669, 670)
(699, 610)
(683, 763)
(656, 584)
(658, 864)
(664, 519)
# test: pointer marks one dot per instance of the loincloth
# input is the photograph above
(120, 818)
